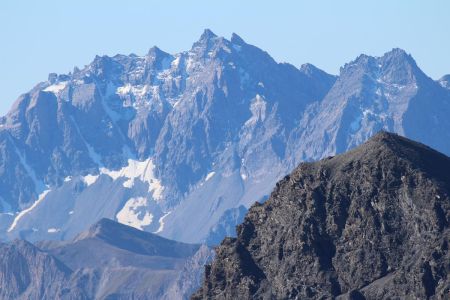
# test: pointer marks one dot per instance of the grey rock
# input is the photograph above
(224, 108)
(372, 223)
(109, 261)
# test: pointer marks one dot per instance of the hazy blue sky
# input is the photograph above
(39, 37)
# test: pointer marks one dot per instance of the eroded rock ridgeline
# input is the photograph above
(372, 223)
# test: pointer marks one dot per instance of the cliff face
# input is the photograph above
(372, 223)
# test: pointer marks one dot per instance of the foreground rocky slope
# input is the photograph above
(372, 223)
(109, 261)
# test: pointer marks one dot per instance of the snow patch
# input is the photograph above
(53, 230)
(258, 110)
(176, 62)
(40, 188)
(209, 176)
(90, 179)
(56, 88)
(134, 213)
(143, 170)
(136, 90)
(161, 223)
(25, 211)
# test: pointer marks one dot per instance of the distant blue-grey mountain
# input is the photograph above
(179, 144)
(108, 261)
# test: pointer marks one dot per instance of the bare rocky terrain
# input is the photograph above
(372, 223)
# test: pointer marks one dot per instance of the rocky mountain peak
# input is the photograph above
(237, 40)
(107, 231)
(398, 55)
(157, 54)
(207, 35)
(370, 223)
(397, 63)
(206, 41)
(390, 145)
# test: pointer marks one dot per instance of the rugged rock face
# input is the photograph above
(29, 273)
(376, 93)
(372, 223)
(147, 136)
(174, 143)
(109, 261)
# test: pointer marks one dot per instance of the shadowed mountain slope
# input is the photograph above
(372, 223)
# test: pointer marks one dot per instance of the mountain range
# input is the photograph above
(182, 144)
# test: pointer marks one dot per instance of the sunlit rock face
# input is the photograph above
(172, 143)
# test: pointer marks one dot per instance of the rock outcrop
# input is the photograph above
(372, 223)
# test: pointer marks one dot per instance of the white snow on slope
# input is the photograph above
(258, 110)
(209, 176)
(40, 188)
(136, 90)
(56, 88)
(142, 170)
(90, 179)
(53, 230)
(161, 223)
(25, 211)
(134, 213)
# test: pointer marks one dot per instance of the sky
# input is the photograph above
(41, 37)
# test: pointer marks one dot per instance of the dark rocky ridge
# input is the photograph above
(372, 223)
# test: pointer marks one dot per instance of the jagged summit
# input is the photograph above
(207, 35)
(236, 39)
(155, 51)
(390, 147)
(396, 59)
(372, 223)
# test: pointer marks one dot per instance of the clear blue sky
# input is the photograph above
(39, 37)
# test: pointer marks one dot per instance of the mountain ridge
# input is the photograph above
(372, 223)
(172, 143)
(98, 266)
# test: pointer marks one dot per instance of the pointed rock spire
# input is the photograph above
(236, 39)
(207, 35)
